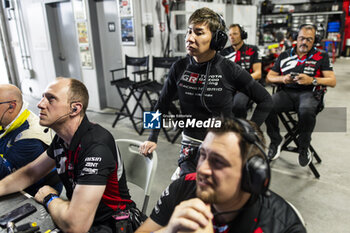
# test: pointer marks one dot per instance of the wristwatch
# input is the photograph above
(314, 81)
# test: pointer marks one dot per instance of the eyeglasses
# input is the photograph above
(308, 39)
(7, 102)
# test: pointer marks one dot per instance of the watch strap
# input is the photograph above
(48, 198)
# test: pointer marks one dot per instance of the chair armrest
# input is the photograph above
(114, 70)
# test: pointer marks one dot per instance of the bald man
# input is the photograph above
(22, 139)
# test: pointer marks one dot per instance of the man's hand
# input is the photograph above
(287, 79)
(147, 148)
(43, 192)
(303, 79)
(190, 215)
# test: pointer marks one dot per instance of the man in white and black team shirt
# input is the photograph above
(248, 57)
(205, 83)
(300, 72)
(86, 159)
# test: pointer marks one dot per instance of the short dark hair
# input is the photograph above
(207, 16)
(78, 93)
(236, 25)
(232, 125)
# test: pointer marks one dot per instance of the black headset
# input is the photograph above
(256, 172)
(319, 34)
(244, 34)
(219, 38)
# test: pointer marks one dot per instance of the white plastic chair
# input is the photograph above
(139, 170)
(297, 213)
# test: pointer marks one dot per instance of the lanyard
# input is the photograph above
(299, 60)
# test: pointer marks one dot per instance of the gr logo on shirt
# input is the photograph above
(190, 77)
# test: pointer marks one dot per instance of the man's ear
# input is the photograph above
(12, 107)
(76, 108)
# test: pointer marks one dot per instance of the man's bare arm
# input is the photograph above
(78, 214)
(27, 175)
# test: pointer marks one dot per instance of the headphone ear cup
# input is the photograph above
(213, 42)
(244, 35)
(255, 176)
(219, 40)
(317, 39)
(294, 35)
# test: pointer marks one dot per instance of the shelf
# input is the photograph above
(318, 13)
(275, 25)
(276, 14)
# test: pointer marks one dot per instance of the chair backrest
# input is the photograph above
(162, 62)
(297, 212)
(139, 170)
(140, 62)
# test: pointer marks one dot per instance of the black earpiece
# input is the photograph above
(74, 109)
(10, 107)
(256, 172)
(219, 38)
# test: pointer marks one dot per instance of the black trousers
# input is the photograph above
(240, 105)
(301, 101)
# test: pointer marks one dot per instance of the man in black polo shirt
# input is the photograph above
(300, 72)
(248, 57)
(86, 160)
(221, 195)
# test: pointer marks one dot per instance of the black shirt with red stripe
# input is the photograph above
(92, 159)
(311, 64)
(246, 56)
(261, 213)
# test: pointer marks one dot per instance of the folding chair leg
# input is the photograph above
(292, 131)
(176, 136)
(124, 106)
(132, 115)
(314, 170)
(314, 153)
(148, 97)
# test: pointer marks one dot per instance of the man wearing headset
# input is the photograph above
(22, 139)
(205, 83)
(300, 72)
(86, 159)
(229, 191)
(247, 56)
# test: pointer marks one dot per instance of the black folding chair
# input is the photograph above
(153, 87)
(141, 64)
(290, 122)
